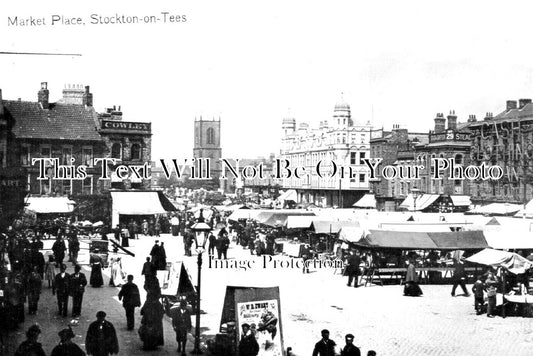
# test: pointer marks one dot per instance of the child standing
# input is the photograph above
(479, 300)
(50, 271)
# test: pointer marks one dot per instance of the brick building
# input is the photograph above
(505, 140)
(71, 131)
(397, 145)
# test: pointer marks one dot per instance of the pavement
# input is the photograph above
(381, 318)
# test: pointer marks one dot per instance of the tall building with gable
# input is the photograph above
(342, 140)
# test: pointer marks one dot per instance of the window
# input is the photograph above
(353, 157)
(67, 187)
(116, 151)
(46, 151)
(66, 155)
(87, 156)
(362, 157)
(362, 178)
(459, 159)
(87, 185)
(25, 159)
(210, 136)
(135, 151)
(44, 186)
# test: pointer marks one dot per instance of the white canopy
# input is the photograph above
(422, 201)
(367, 201)
(497, 209)
(289, 195)
(135, 203)
(50, 205)
(513, 262)
(461, 200)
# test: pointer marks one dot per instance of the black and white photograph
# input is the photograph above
(252, 178)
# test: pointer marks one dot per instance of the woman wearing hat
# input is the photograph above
(66, 346)
(31, 347)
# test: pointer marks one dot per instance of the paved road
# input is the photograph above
(380, 317)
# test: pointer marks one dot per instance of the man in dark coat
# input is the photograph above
(66, 347)
(350, 349)
(155, 253)
(325, 347)
(162, 259)
(459, 278)
(33, 287)
(61, 287)
(78, 281)
(130, 296)
(212, 244)
(101, 337)
(31, 346)
(352, 269)
(181, 322)
(147, 268)
(59, 251)
(248, 345)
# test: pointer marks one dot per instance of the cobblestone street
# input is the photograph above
(381, 318)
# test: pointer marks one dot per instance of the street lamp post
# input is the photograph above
(200, 227)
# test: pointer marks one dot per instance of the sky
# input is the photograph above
(253, 63)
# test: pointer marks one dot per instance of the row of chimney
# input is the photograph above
(440, 122)
(72, 94)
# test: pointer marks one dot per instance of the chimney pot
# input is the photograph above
(511, 104)
(523, 102)
(43, 95)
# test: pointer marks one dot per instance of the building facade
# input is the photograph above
(505, 140)
(393, 147)
(332, 157)
(72, 134)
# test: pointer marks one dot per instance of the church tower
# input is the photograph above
(207, 143)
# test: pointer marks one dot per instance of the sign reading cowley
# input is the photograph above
(144, 127)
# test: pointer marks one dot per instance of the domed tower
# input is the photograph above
(288, 126)
(341, 115)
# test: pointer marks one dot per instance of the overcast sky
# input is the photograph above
(250, 62)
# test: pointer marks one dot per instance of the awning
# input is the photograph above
(497, 209)
(422, 202)
(513, 262)
(351, 233)
(367, 201)
(50, 205)
(456, 240)
(277, 219)
(333, 227)
(289, 195)
(506, 239)
(299, 222)
(244, 214)
(138, 203)
(461, 200)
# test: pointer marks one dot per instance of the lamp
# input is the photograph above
(199, 228)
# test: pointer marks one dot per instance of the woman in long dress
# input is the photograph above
(96, 279)
(117, 275)
(411, 288)
(151, 330)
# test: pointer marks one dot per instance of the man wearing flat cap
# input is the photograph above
(248, 345)
(101, 337)
(350, 349)
(66, 346)
(325, 347)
